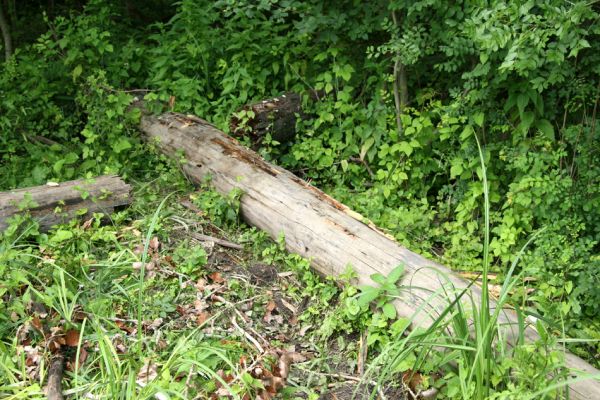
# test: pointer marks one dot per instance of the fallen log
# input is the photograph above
(317, 226)
(58, 203)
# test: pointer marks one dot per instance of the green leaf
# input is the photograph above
(344, 164)
(522, 101)
(367, 295)
(352, 306)
(365, 147)
(395, 274)
(389, 310)
(467, 133)
(122, 144)
(77, 71)
(568, 286)
(378, 278)
(546, 128)
(61, 235)
(526, 120)
(405, 147)
(478, 118)
(456, 169)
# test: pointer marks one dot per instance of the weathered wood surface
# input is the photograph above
(315, 225)
(59, 203)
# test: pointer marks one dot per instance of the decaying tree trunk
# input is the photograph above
(276, 116)
(58, 203)
(315, 225)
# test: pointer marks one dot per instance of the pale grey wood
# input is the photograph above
(317, 226)
(58, 203)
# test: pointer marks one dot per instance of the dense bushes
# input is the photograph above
(521, 76)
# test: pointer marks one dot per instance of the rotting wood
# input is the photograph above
(276, 116)
(317, 226)
(55, 373)
(58, 203)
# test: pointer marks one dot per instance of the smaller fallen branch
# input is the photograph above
(55, 372)
(57, 203)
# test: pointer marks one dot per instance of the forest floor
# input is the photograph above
(146, 305)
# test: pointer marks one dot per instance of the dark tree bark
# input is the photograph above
(55, 373)
(276, 116)
(6, 35)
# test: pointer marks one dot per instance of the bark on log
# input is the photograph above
(315, 225)
(55, 373)
(58, 204)
(276, 116)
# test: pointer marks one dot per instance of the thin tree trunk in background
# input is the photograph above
(51, 9)
(400, 85)
(5, 28)
(403, 86)
(397, 98)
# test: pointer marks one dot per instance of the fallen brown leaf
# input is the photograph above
(148, 373)
(202, 317)
(216, 277)
(72, 338)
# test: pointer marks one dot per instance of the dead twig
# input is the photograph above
(221, 242)
(242, 316)
(362, 353)
(248, 336)
(354, 379)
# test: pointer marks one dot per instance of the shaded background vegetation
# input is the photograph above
(407, 85)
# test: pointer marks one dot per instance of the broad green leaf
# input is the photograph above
(467, 133)
(456, 169)
(546, 128)
(379, 278)
(396, 274)
(122, 144)
(478, 118)
(365, 147)
(77, 71)
(389, 310)
(405, 147)
(344, 164)
(522, 100)
(367, 295)
(61, 235)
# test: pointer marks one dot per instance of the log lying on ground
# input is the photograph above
(315, 225)
(58, 203)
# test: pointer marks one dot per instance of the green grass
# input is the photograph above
(466, 340)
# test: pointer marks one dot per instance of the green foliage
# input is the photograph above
(521, 76)
(381, 296)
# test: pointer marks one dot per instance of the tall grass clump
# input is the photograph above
(465, 341)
